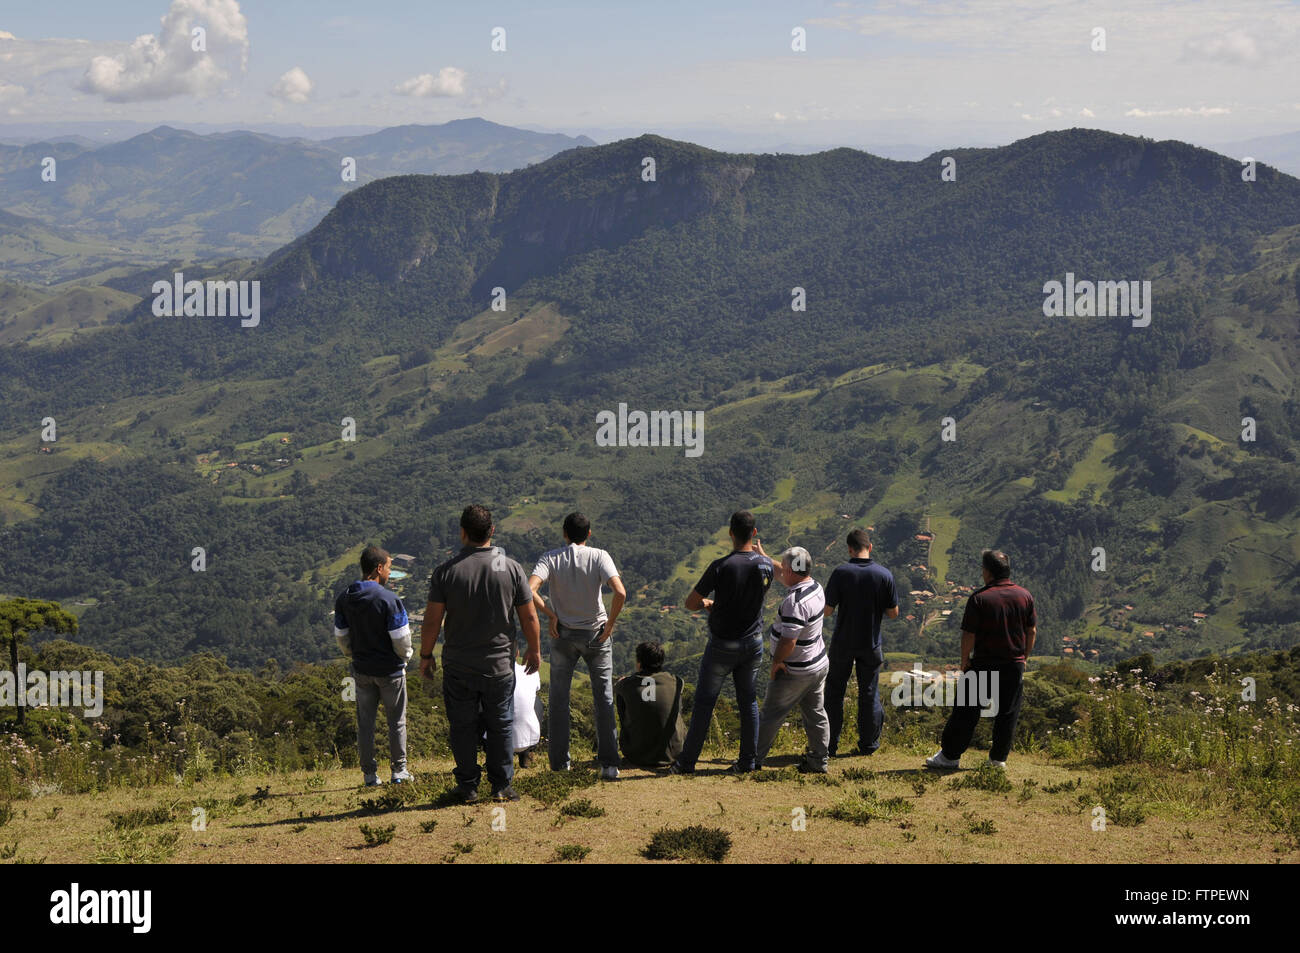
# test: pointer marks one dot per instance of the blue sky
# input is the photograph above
(1189, 68)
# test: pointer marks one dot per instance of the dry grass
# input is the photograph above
(311, 817)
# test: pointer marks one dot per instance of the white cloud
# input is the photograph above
(10, 91)
(489, 94)
(1181, 111)
(450, 81)
(165, 65)
(1234, 48)
(294, 86)
(1087, 113)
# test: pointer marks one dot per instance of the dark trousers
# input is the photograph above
(959, 730)
(871, 714)
(476, 702)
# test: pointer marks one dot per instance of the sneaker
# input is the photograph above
(812, 767)
(525, 759)
(676, 768)
(941, 763)
(372, 781)
(998, 764)
(402, 777)
(467, 794)
(507, 793)
(609, 773)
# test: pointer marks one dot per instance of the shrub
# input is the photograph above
(582, 808)
(378, 835)
(865, 805)
(688, 843)
(552, 787)
(986, 777)
(568, 852)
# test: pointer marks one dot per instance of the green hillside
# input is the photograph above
(924, 304)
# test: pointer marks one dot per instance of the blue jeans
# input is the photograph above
(574, 644)
(741, 660)
(868, 661)
(469, 698)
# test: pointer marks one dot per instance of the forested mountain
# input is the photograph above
(924, 319)
(169, 192)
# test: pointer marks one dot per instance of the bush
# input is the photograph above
(552, 787)
(986, 777)
(688, 843)
(865, 805)
(568, 852)
(582, 808)
(378, 835)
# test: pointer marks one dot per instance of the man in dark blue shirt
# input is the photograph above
(739, 581)
(863, 592)
(371, 628)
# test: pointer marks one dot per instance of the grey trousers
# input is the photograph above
(808, 692)
(371, 690)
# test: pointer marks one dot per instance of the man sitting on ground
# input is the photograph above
(649, 703)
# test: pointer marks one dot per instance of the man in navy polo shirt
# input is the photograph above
(371, 628)
(998, 630)
(739, 581)
(863, 592)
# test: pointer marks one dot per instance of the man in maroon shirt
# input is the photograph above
(997, 635)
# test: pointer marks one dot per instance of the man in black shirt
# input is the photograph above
(861, 592)
(739, 581)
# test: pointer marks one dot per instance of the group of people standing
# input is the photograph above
(476, 597)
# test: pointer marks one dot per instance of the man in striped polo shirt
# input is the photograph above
(799, 662)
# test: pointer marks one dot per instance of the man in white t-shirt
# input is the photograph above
(799, 662)
(580, 629)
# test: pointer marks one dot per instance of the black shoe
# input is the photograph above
(525, 759)
(737, 769)
(676, 768)
(806, 767)
(467, 794)
(507, 793)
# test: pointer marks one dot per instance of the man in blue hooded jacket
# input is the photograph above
(372, 629)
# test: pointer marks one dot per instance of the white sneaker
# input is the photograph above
(609, 773)
(372, 780)
(402, 777)
(998, 764)
(941, 763)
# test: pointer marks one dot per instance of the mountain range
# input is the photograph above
(866, 339)
(170, 193)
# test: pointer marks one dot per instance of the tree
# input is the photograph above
(20, 617)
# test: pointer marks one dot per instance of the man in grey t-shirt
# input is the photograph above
(580, 629)
(478, 593)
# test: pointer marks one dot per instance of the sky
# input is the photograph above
(897, 70)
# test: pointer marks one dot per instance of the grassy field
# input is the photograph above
(1091, 471)
(883, 809)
